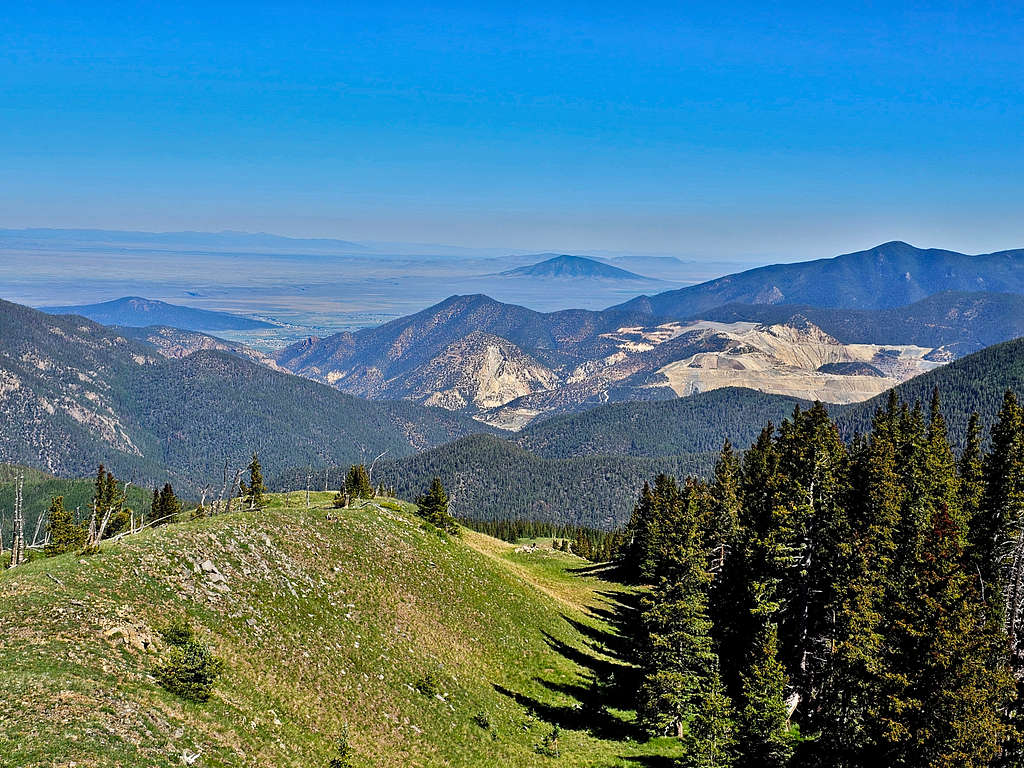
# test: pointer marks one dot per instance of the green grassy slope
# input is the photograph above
(322, 624)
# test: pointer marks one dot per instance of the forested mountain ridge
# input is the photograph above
(579, 469)
(76, 394)
(677, 436)
(889, 275)
(681, 426)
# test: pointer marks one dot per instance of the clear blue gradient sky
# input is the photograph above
(727, 129)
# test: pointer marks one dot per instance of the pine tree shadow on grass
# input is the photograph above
(620, 616)
(603, 641)
(652, 761)
(601, 668)
(582, 716)
(605, 683)
(604, 571)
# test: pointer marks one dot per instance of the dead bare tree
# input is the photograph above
(231, 495)
(309, 478)
(39, 523)
(18, 535)
(369, 474)
(223, 490)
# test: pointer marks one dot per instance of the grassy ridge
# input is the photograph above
(322, 624)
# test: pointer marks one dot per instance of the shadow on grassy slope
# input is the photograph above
(606, 681)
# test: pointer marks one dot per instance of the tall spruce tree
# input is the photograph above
(641, 531)
(433, 507)
(676, 655)
(763, 732)
(849, 690)
(64, 532)
(711, 737)
(814, 479)
(971, 468)
(725, 510)
(942, 697)
(255, 488)
(357, 483)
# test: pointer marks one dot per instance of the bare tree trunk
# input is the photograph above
(39, 522)
(327, 472)
(369, 474)
(231, 495)
(219, 503)
(18, 535)
(309, 477)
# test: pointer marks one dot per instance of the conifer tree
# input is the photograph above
(255, 489)
(763, 732)
(167, 506)
(640, 534)
(676, 656)
(433, 507)
(813, 483)
(999, 524)
(357, 483)
(863, 573)
(725, 510)
(154, 506)
(711, 737)
(971, 469)
(65, 533)
(942, 697)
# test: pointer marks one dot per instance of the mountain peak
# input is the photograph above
(139, 312)
(568, 266)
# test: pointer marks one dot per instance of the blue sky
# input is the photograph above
(720, 130)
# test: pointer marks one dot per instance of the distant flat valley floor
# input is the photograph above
(306, 292)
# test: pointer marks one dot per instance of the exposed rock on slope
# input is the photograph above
(480, 370)
(175, 344)
(786, 360)
(507, 365)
